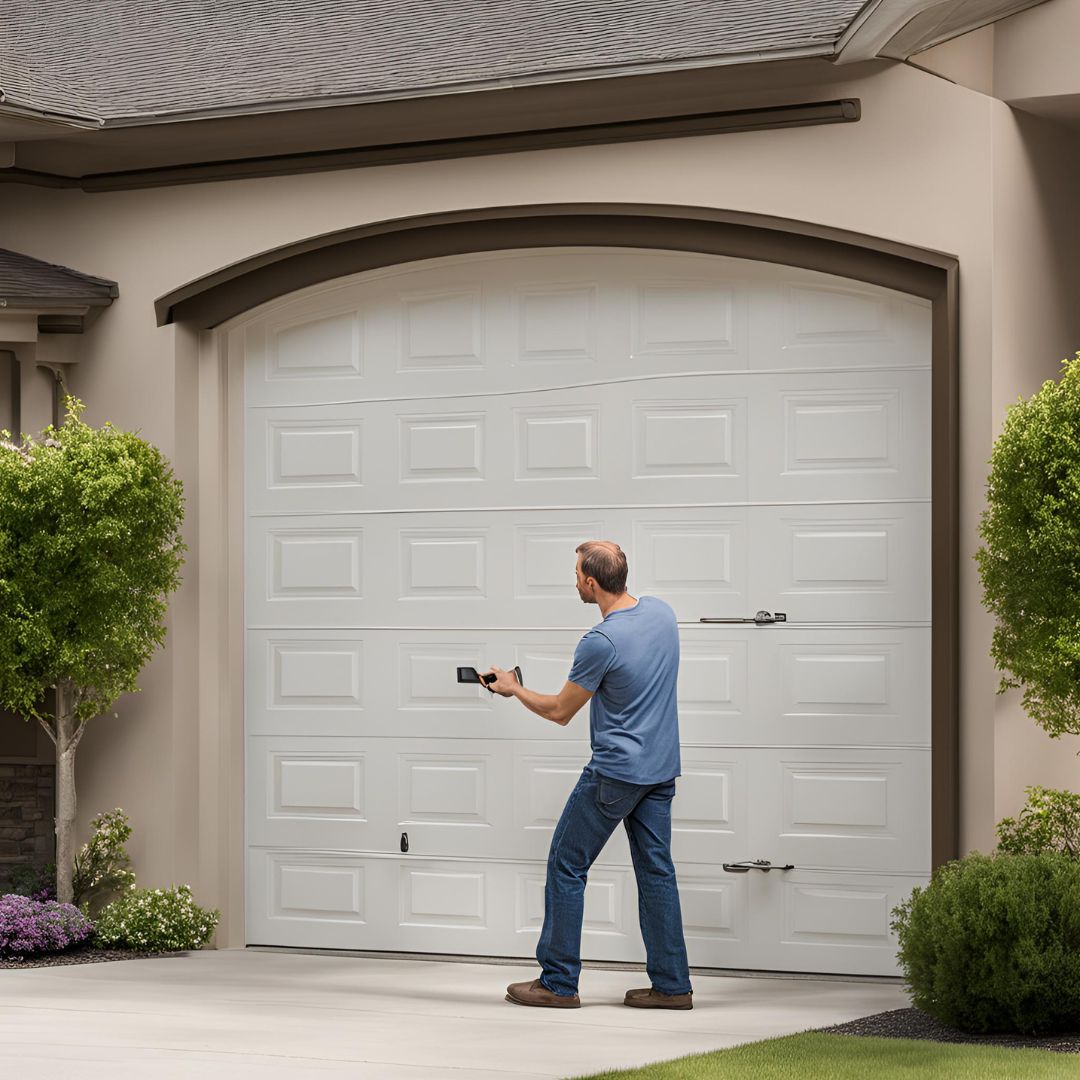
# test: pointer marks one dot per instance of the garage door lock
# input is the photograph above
(404, 842)
(747, 865)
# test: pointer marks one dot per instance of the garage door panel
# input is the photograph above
(664, 441)
(306, 794)
(828, 921)
(673, 440)
(541, 319)
(858, 563)
(841, 436)
(820, 321)
(843, 809)
(781, 685)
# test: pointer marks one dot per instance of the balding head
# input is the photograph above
(605, 563)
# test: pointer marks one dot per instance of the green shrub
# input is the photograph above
(155, 919)
(102, 865)
(992, 944)
(1030, 561)
(1049, 822)
(37, 882)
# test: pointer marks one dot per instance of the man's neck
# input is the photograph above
(609, 603)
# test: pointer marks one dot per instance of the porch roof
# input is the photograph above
(28, 282)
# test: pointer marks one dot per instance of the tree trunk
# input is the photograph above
(66, 744)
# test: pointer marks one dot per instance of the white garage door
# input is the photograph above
(426, 446)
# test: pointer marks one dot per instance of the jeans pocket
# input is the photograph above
(616, 797)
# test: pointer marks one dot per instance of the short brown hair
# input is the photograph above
(605, 563)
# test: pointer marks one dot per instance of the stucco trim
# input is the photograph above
(237, 289)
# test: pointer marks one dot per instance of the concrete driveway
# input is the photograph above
(237, 1013)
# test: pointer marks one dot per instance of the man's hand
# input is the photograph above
(558, 708)
(504, 682)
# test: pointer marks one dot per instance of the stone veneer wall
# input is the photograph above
(27, 801)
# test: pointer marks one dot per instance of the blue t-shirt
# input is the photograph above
(631, 663)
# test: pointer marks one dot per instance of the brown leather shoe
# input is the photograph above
(535, 993)
(653, 999)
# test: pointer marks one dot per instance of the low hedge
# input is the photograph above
(992, 944)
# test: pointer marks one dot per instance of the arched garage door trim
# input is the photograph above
(932, 275)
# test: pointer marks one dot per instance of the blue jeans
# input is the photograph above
(595, 807)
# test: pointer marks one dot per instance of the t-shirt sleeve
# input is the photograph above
(592, 658)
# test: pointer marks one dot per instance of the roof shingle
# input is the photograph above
(27, 279)
(117, 60)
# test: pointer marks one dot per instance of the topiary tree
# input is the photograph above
(1030, 561)
(90, 549)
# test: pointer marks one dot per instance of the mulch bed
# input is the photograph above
(78, 956)
(915, 1024)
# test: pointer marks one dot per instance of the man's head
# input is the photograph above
(601, 567)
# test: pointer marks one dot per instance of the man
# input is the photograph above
(627, 665)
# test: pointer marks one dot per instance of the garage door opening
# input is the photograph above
(425, 446)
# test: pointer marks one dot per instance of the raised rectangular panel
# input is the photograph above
(539, 801)
(704, 800)
(839, 314)
(556, 443)
(309, 453)
(677, 556)
(711, 909)
(712, 678)
(836, 914)
(602, 906)
(316, 786)
(849, 431)
(442, 447)
(441, 330)
(442, 564)
(685, 318)
(826, 798)
(442, 790)
(545, 667)
(685, 439)
(324, 674)
(313, 564)
(556, 323)
(441, 898)
(308, 890)
(429, 677)
(838, 679)
(317, 348)
(839, 556)
(545, 557)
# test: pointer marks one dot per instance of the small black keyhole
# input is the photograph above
(404, 841)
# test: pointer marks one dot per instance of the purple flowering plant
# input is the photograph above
(35, 926)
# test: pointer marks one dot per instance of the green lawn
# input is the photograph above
(840, 1057)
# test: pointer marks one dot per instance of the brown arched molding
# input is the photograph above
(932, 275)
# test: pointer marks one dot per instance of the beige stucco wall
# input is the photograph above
(1035, 52)
(1036, 324)
(931, 164)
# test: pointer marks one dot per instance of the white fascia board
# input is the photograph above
(875, 26)
(879, 29)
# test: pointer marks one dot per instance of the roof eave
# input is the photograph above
(897, 29)
(824, 50)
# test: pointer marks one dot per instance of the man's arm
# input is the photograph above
(558, 708)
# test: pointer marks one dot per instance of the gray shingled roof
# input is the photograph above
(117, 60)
(25, 279)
